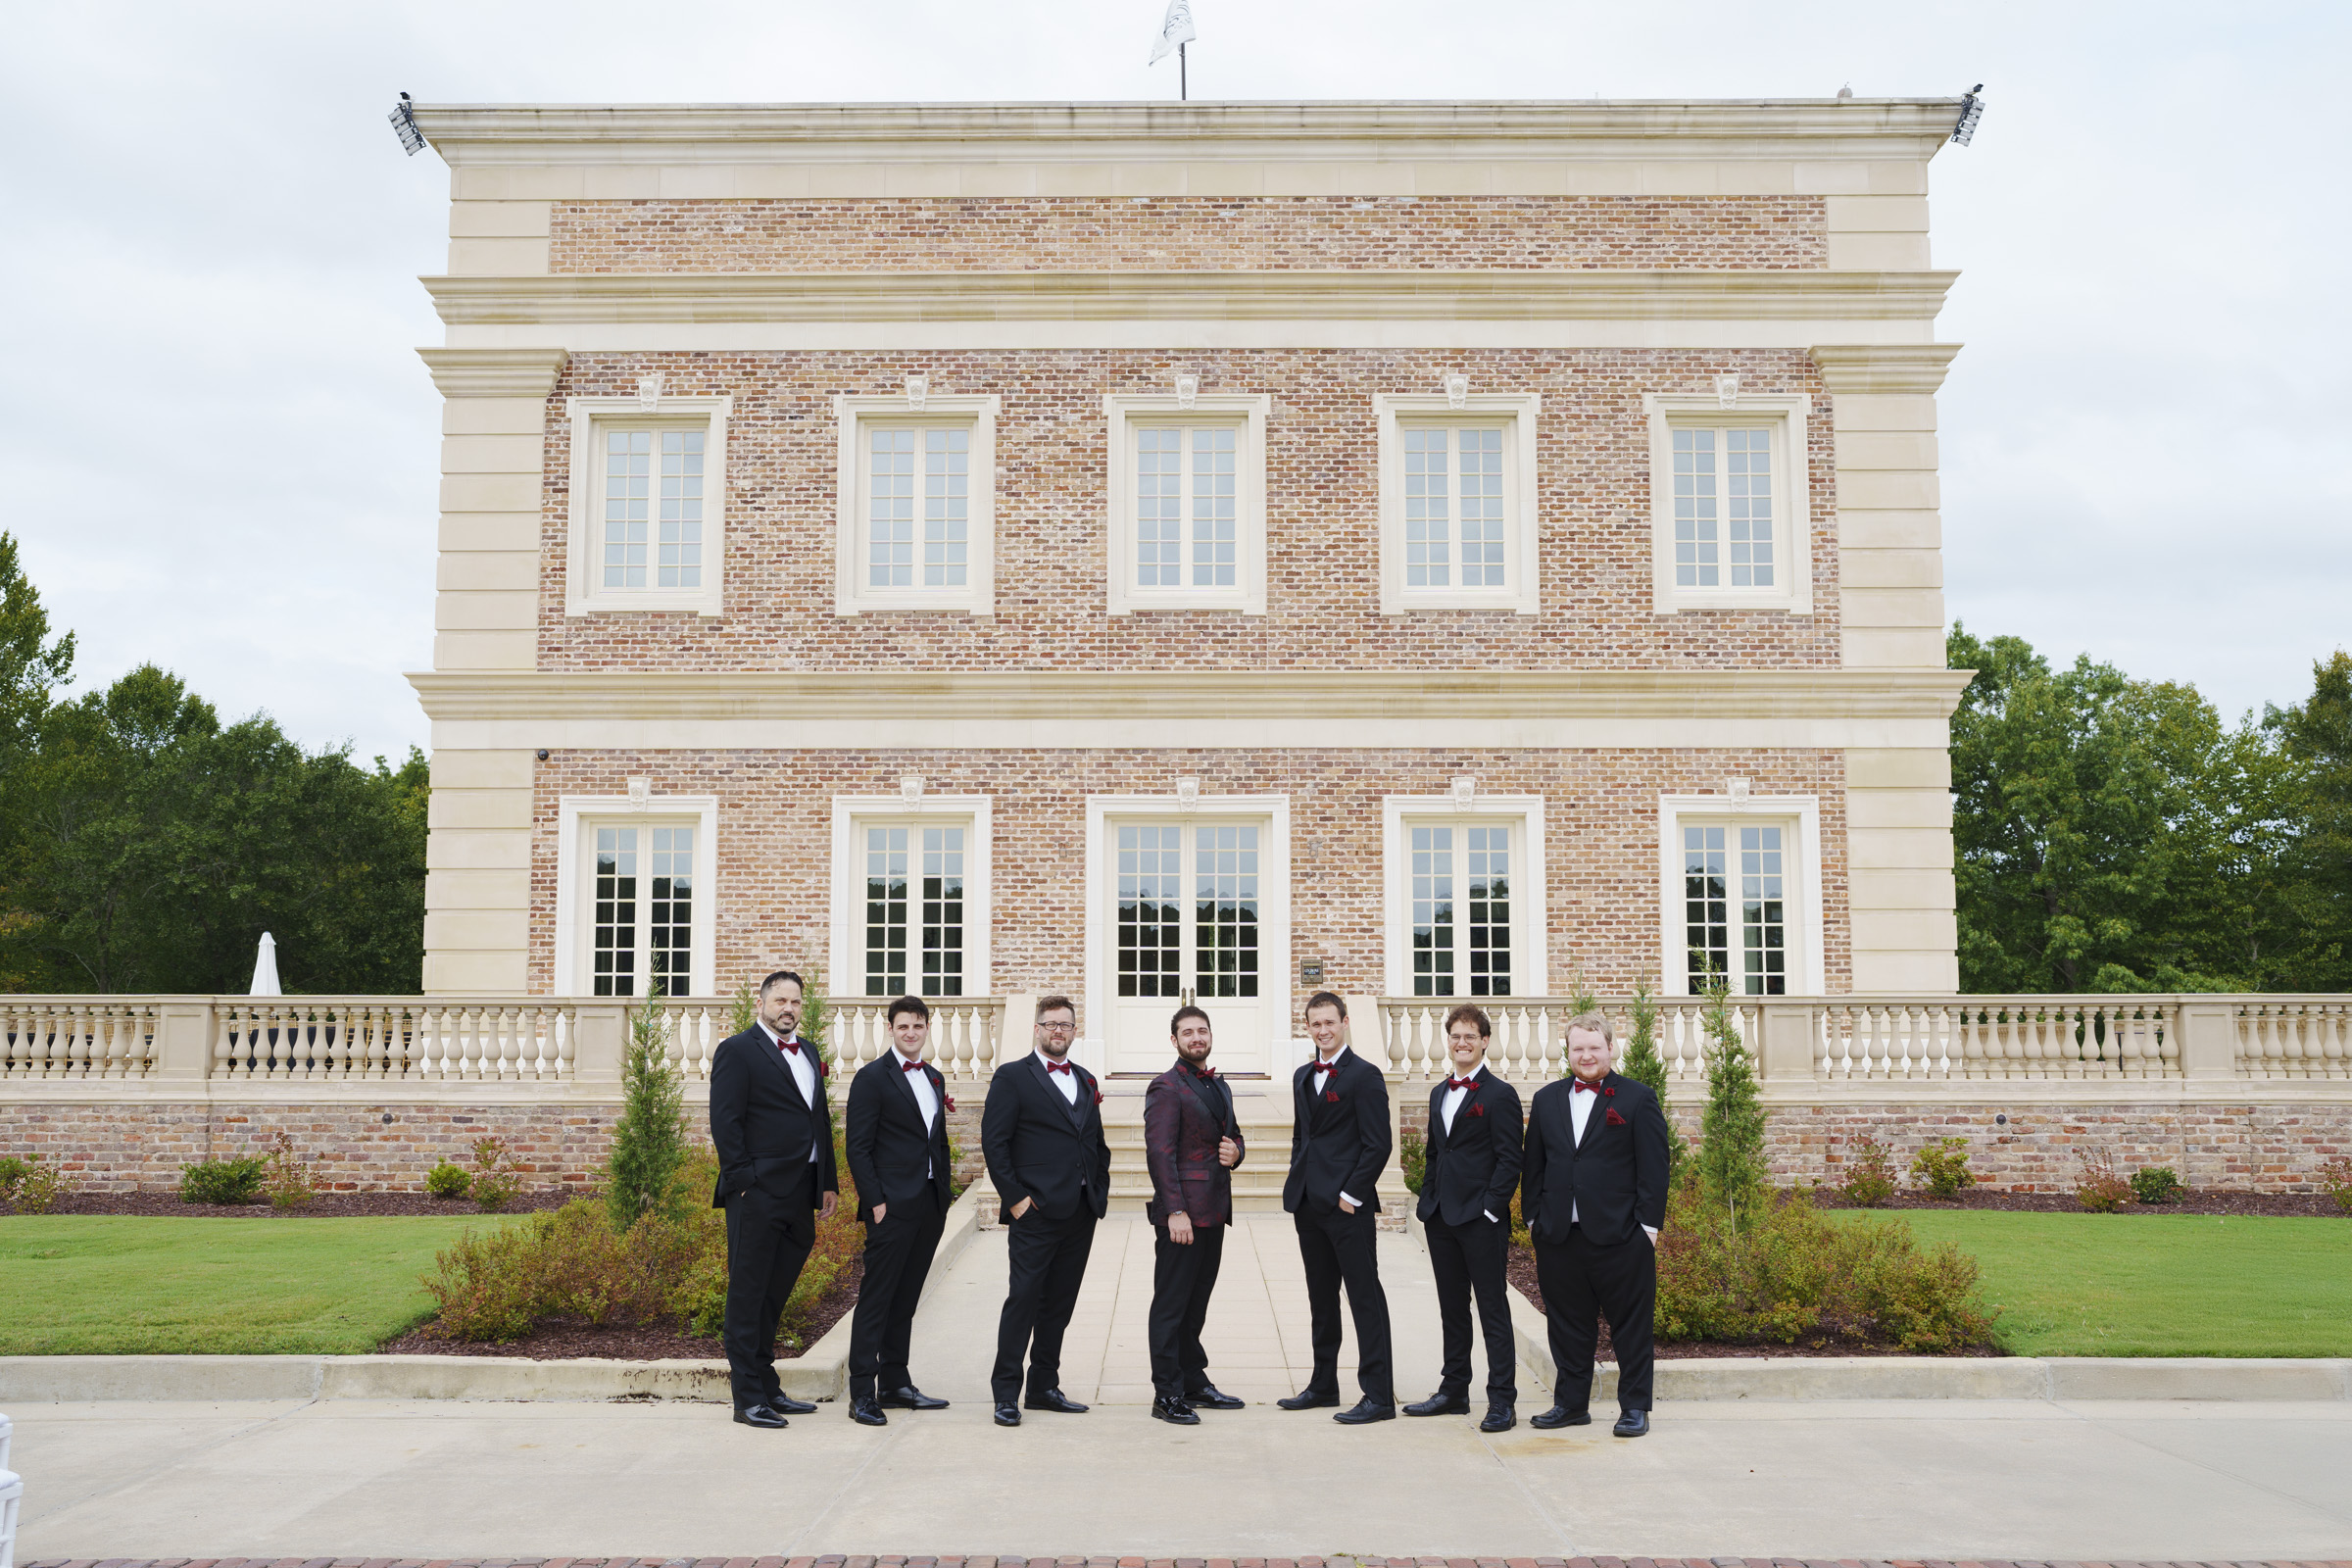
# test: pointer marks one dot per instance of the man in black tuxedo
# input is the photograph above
(1042, 1131)
(1594, 1180)
(1465, 1211)
(1340, 1145)
(1192, 1145)
(897, 1147)
(772, 1127)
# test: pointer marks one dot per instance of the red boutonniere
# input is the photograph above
(1615, 1120)
(950, 1102)
(820, 1070)
(1332, 1095)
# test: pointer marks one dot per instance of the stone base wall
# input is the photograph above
(123, 1146)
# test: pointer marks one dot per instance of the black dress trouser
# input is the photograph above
(1046, 1266)
(1182, 1281)
(898, 1259)
(1467, 1259)
(1342, 1249)
(1582, 1280)
(768, 1240)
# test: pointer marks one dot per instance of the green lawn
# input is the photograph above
(2158, 1284)
(91, 1285)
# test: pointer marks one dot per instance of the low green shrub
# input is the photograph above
(1788, 1272)
(221, 1181)
(448, 1180)
(29, 1187)
(2156, 1184)
(11, 1171)
(2101, 1188)
(2337, 1177)
(1869, 1179)
(1412, 1154)
(286, 1176)
(1943, 1164)
(495, 1180)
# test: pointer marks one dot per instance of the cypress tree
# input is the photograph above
(1731, 1169)
(649, 1140)
(1644, 1065)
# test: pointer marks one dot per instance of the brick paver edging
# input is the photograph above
(837, 1561)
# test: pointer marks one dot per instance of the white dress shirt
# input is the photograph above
(804, 1072)
(1453, 1102)
(920, 1083)
(1324, 1071)
(1580, 1111)
(1066, 1082)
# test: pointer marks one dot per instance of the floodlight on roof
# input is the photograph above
(1971, 109)
(404, 125)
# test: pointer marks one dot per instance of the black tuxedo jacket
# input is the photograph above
(1340, 1138)
(761, 1127)
(1184, 1118)
(1040, 1146)
(1616, 1178)
(892, 1155)
(1472, 1170)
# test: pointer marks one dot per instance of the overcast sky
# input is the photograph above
(224, 450)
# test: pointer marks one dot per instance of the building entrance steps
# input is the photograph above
(1262, 1107)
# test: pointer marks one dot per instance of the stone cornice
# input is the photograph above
(1366, 696)
(493, 372)
(1887, 367)
(549, 133)
(1188, 296)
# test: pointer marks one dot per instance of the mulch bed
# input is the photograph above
(563, 1338)
(1521, 1269)
(2212, 1201)
(326, 1206)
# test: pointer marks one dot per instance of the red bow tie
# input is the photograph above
(1333, 1065)
(793, 1045)
(1579, 1083)
(1204, 1073)
(1461, 1083)
(916, 1066)
(1057, 1066)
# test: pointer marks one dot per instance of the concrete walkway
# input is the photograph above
(1883, 1479)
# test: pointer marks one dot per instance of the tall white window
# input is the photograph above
(916, 505)
(914, 908)
(1464, 895)
(1187, 515)
(1730, 507)
(648, 505)
(1457, 515)
(1736, 906)
(641, 941)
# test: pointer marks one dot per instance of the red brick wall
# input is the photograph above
(1187, 233)
(1322, 518)
(773, 899)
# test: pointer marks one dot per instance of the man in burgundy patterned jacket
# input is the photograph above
(1192, 1143)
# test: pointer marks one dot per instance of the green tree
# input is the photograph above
(32, 664)
(2315, 736)
(1732, 1168)
(649, 1138)
(1645, 1065)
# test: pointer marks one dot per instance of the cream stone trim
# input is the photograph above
(1522, 592)
(934, 298)
(1247, 413)
(584, 592)
(852, 594)
(1802, 813)
(974, 813)
(1529, 921)
(574, 815)
(495, 372)
(1914, 367)
(1792, 499)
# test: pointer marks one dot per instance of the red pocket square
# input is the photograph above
(1477, 1110)
(1332, 1095)
(1098, 1096)
(1615, 1120)
(950, 1102)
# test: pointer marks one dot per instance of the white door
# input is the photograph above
(1186, 924)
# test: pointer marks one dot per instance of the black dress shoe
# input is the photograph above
(784, 1406)
(866, 1413)
(1559, 1415)
(1441, 1404)
(1174, 1411)
(910, 1398)
(1365, 1411)
(759, 1415)
(1008, 1415)
(1307, 1400)
(1632, 1424)
(1056, 1401)
(1499, 1418)
(1209, 1397)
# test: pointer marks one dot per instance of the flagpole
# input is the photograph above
(1181, 92)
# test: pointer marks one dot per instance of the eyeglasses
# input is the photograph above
(1058, 1028)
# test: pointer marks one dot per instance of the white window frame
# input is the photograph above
(1523, 814)
(852, 592)
(576, 817)
(584, 592)
(1801, 815)
(1246, 414)
(1522, 591)
(851, 813)
(1783, 412)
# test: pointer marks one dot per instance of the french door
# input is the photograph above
(1188, 923)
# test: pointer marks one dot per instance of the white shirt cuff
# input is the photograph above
(1653, 1231)
(1344, 1197)
(1490, 1213)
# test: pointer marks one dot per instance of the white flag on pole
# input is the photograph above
(1176, 29)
